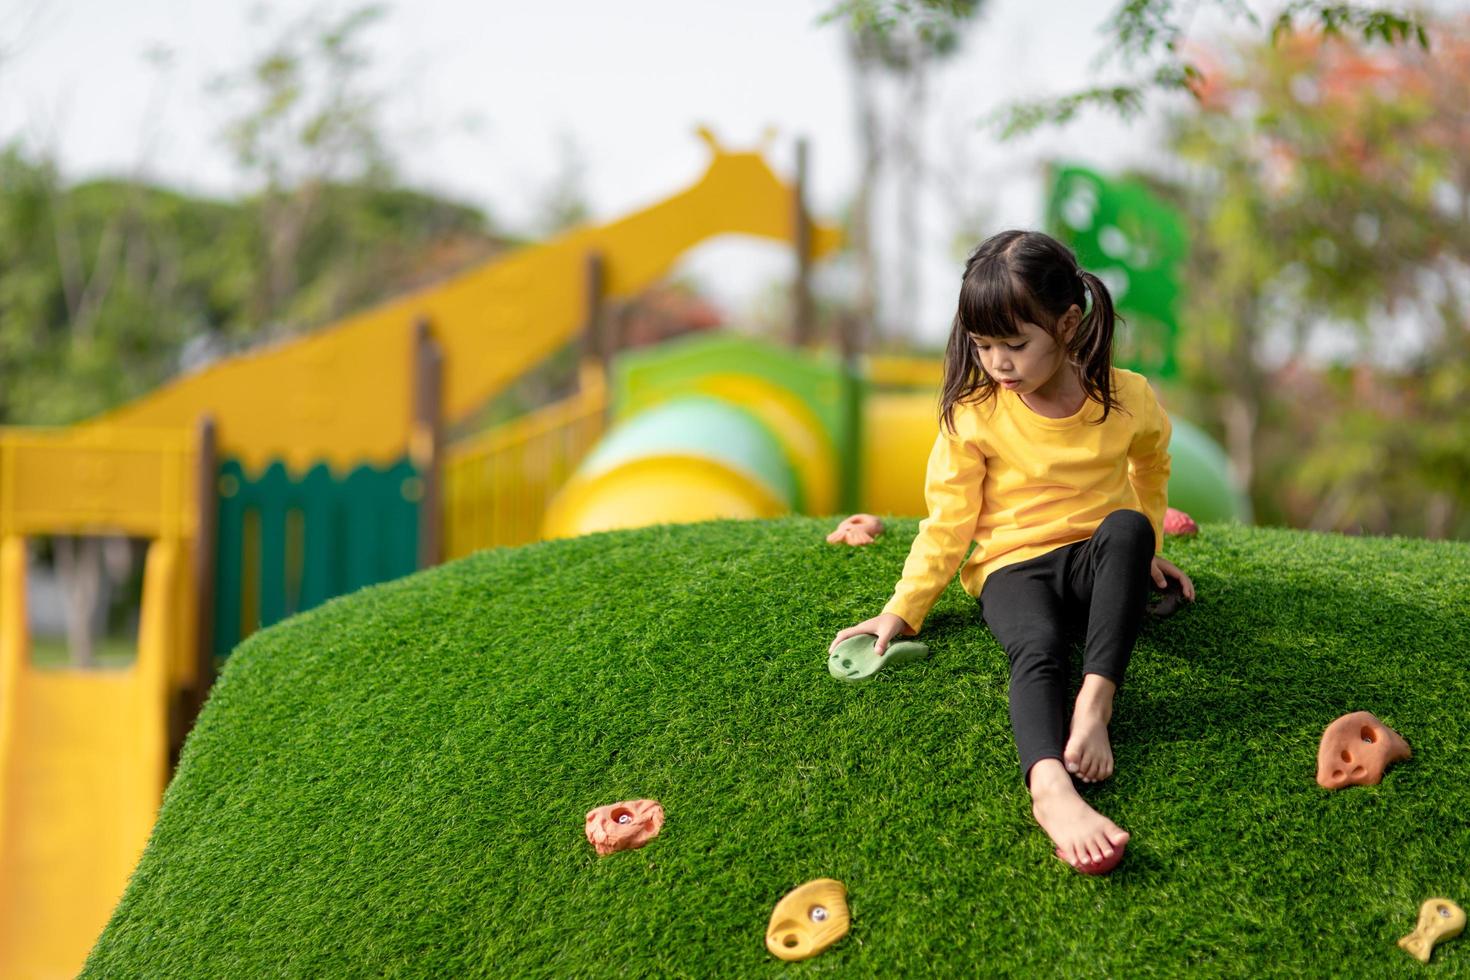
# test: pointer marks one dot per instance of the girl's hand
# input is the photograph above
(1162, 570)
(885, 626)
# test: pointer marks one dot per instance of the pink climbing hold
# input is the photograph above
(856, 530)
(1178, 522)
(624, 826)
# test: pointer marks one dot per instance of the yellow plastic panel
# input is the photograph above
(83, 760)
(898, 432)
(803, 441)
(138, 482)
(344, 393)
(657, 490)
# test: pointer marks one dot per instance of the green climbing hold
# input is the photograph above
(854, 659)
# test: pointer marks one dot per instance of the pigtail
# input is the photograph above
(1092, 344)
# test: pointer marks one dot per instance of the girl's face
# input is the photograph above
(1029, 363)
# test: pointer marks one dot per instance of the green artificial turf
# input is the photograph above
(395, 782)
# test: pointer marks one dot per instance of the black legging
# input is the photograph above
(1029, 605)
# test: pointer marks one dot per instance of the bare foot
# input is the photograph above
(1082, 835)
(1089, 753)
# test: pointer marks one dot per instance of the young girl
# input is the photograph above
(1054, 464)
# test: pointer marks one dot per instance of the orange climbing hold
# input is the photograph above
(624, 826)
(1355, 750)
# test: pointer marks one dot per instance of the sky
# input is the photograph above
(483, 98)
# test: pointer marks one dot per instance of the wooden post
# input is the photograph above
(601, 326)
(425, 438)
(206, 493)
(596, 333)
(849, 339)
(803, 332)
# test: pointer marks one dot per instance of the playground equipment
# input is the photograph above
(84, 754)
(1179, 524)
(1134, 242)
(718, 426)
(322, 474)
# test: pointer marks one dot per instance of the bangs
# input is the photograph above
(996, 303)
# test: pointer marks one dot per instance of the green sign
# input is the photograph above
(1134, 243)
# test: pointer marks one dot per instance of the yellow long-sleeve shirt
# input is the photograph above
(1018, 485)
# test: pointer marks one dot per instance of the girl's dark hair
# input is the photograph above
(1020, 277)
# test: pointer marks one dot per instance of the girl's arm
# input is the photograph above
(1149, 463)
(952, 490)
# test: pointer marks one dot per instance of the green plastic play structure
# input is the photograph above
(726, 426)
(718, 425)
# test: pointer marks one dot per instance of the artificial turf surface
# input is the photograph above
(395, 783)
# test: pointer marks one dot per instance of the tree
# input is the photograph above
(308, 137)
(1142, 31)
(1330, 188)
(898, 43)
(563, 201)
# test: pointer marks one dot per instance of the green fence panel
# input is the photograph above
(350, 533)
(272, 498)
(321, 572)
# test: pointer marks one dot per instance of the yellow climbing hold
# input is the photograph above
(808, 920)
(1440, 920)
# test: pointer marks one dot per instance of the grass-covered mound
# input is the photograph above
(395, 783)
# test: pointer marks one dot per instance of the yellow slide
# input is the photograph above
(84, 753)
(75, 746)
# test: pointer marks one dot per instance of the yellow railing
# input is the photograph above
(497, 484)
